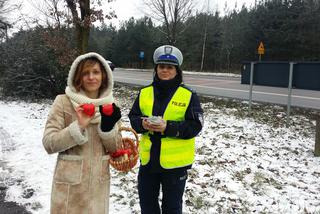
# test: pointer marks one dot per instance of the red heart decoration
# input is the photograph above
(121, 152)
(88, 109)
(107, 109)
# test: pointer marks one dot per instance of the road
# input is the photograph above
(229, 87)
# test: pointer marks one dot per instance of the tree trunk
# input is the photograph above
(82, 33)
(82, 23)
(317, 141)
(85, 26)
(85, 36)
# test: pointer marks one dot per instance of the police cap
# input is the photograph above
(168, 54)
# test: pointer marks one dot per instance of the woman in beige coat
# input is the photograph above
(81, 181)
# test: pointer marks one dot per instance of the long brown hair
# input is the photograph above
(77, 80)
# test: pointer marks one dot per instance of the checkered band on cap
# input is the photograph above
(168, 54)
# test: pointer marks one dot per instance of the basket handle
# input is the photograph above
(130, 130)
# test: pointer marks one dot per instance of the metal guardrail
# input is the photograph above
(290, 79)
(306, 75)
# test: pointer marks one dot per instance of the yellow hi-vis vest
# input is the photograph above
(174, 152)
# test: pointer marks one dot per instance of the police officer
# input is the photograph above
(169, 116)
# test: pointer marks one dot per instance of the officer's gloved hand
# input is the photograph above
(109, 117)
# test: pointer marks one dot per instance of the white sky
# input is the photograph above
(134, 8)
(131, 8)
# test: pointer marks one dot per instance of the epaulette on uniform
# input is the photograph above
(146, 86)
(187, 87)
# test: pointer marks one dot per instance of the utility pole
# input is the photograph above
(205, 36)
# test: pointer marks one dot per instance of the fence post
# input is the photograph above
(317, 140)
(289, 92)
(251, 85)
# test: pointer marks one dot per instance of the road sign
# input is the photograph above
(141, 54)
(261, 49)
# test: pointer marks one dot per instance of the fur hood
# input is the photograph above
(107, 91)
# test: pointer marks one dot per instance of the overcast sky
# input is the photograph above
(134, 8)
(128, 8)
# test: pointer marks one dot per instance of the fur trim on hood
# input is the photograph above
(107, 91)
(78, 98)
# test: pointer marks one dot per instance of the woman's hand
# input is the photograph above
(109, 116)
(155, 127)
(83, 118)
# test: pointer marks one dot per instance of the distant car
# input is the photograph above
(112, 66)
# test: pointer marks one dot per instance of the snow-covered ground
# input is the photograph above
(243, 164)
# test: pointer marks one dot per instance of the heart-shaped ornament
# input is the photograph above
(107, 109)
(88, 109)
(121, 152)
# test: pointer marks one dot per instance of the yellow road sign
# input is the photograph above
(261, 48)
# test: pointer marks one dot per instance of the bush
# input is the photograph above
(29, 68)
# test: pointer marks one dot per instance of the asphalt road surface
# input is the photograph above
(227, 87)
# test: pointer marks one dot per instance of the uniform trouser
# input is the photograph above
(172, 184)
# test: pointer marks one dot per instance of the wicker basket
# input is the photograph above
(125, 165)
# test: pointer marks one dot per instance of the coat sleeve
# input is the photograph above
(192, 124)
(111, 140)
(135, 115)
(57, 136)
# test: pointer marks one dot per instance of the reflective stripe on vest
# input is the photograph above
(174, 152)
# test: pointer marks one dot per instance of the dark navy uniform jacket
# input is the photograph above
(189, 128)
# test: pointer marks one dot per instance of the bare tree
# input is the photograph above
(50, 12)
(83, 21)
(81, 14)
(172, 14)
(5, 9)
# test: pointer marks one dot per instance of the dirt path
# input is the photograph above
(7, 207)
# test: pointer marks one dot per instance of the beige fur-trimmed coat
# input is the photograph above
(81, 181)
